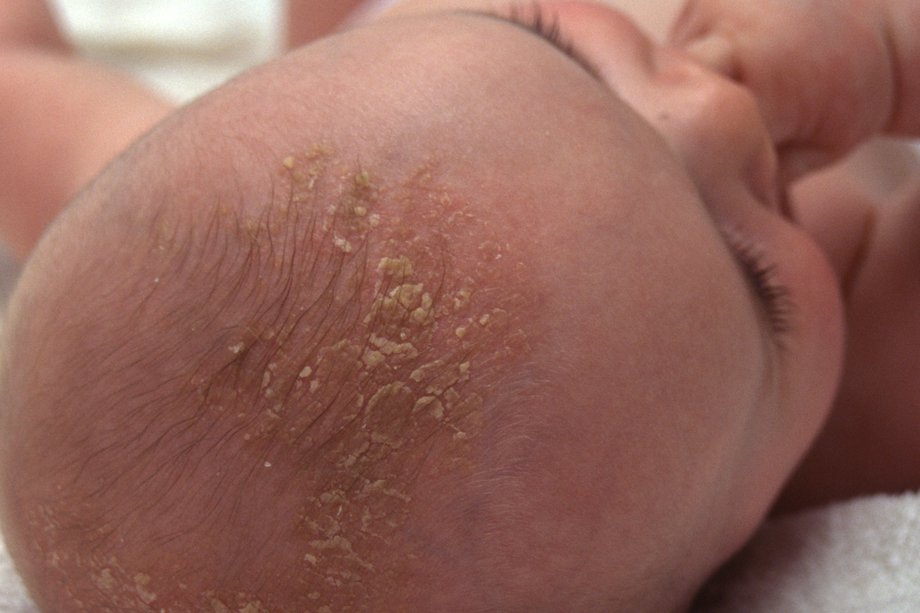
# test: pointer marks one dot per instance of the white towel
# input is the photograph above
(858, 556)
(13, 596)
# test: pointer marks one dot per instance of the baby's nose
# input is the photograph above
(717, 129)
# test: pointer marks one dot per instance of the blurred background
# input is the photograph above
(180, 48)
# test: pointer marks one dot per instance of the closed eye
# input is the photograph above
(761, 276)
(774, 298)
(535, 21)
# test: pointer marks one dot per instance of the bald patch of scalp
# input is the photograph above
(241, 406)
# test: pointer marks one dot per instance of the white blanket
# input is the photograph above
(13, 597)
(857, 556)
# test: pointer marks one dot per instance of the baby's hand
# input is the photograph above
(828, 73)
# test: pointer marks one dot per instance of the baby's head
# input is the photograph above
(425, 316)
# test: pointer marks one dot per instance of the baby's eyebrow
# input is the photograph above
(547, 31)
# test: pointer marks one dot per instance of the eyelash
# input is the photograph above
(549, 29)
(761, 273)
(536, 20)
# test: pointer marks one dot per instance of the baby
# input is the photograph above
(870, 442)
(463, 310)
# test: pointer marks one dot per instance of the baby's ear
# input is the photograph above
(63, 120)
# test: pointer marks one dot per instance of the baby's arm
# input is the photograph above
(62, 119)
(828, 74)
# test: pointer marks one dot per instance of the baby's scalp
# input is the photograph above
(271, 403)
(624, 451)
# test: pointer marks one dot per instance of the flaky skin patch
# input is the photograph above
(251, 415)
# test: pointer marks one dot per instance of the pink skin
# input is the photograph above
(753, 436)
(869, 443)
(873, 87)
(684, 417)
(97, 113)
(871, 439)
(308, 20)
(30, 23)
(860, 212)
